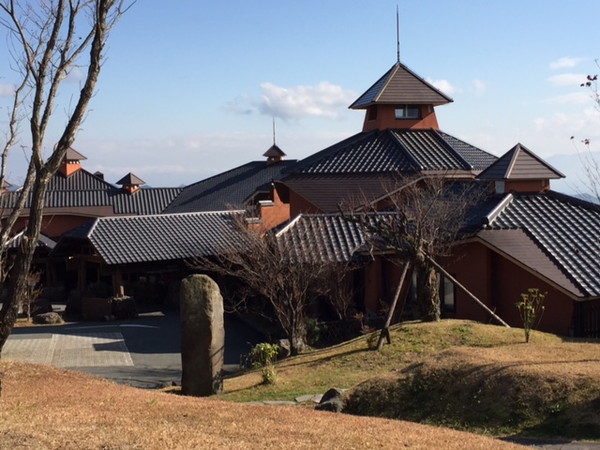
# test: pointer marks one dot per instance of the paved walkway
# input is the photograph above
(143, 352)
(64, 350)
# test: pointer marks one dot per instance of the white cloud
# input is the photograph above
(443, 85)
(565, 62)
(7, 90)
(322, 100)
(479, 87)
(574, 98)
(567, 79)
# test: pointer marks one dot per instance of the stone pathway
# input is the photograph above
(62, 350)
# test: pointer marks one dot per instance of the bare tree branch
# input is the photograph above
(49, 47)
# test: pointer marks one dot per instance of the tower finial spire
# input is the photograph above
(397, 34)
(274, 143)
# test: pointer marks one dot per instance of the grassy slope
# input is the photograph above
(46, 408)
(460, 374)
(350, 363)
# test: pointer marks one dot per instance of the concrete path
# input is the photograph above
(143, 352)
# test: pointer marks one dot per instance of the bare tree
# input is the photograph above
(266, 266)
(49, 40)
(590, 163)
(419, 221)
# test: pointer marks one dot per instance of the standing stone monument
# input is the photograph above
(202, 336)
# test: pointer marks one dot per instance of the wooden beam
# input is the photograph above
(466, 291)
(385, 331)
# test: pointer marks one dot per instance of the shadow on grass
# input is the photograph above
(285, 364)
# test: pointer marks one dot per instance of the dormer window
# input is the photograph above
(407, 112)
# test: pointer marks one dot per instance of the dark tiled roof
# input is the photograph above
(388, 150)
(322, 237)
(163, 237)
(130, 179)
(81, 180)
(143, 201)
(328, 192)
(520, 163)
(520, 246)
(74, 155)
(401, 85)
(274, 151)
(84, 190)
(477, 158)
(229, 189)
(566, 229)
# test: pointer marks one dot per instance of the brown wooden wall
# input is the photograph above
(499, 283)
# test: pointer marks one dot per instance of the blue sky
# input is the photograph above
(189, 88)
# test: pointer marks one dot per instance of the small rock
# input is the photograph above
(331, 401)
(309, 398)
(50, 318)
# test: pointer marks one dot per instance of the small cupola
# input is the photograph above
(274, 155)
(400, 99)
(71, 163)
(130, 183)
(520, 170)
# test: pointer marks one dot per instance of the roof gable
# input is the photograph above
(520, 163)
(74, 155)
(565, 228)
(164, 237)
(130, 179)
(520, 246)
(274, 151)
(230, 188)
(401, 85)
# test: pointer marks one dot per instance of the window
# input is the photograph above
(407, 112)
(447, 294)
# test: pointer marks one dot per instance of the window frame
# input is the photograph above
(406, 109)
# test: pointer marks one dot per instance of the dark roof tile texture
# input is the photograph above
(396, 151)
(522, 247)
(477, 158)
(321, 237)
(228, 189)
(401, 85)
(519, 163)
(144, 201)
(566, 229)
(164, 237)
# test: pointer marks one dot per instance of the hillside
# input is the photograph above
(46, 408)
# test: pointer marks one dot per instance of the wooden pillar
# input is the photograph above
(81, 276)
(118, 288)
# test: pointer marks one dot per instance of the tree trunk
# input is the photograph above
(19, 271)
(428, 294)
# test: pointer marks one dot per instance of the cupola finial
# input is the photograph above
(397, 34)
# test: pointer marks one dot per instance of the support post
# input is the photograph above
(385, 331)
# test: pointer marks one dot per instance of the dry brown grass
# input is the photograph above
(549, 389)
(42, 407)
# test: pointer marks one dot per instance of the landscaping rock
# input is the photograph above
(331, 401)
(284, 348)
(202, 336)
(49, 318)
